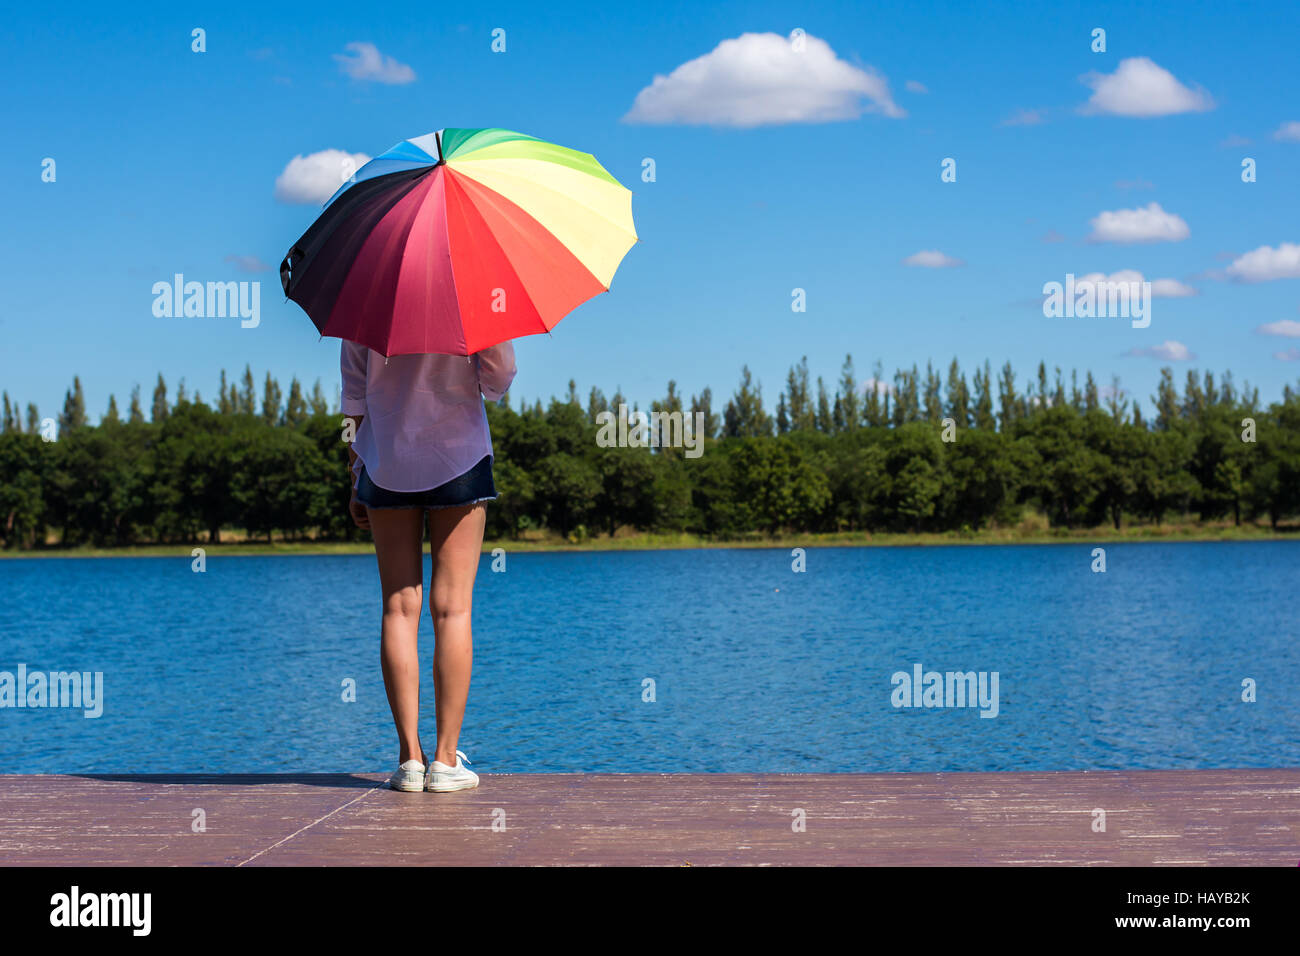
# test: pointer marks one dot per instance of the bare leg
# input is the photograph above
(455, 539)
(399, 544)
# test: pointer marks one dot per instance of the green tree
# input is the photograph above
(744, 416)
(74, 408)
(159, 412)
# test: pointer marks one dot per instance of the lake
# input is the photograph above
(697, 660)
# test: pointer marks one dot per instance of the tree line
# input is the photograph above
(918, 452)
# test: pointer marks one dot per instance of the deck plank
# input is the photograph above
(1175, 817)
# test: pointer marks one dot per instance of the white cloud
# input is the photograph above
(367, 63)
(882, 387)
(1266, 263)
(1160, 288)
(1145, 224)
(1166, 351)
(1288, 328)
(932, 259)
(1235, 140)
(1140, 87)
(248, 263)
(1288, 132)
(1025, 118)
(314, 178)
(1092, 278)
(761, 79)
(1290, 355)
(1171, 289)
(912, 86)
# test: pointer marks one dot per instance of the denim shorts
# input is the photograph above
(470, 488)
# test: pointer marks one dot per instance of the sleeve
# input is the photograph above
(352, 364)
(496, 370)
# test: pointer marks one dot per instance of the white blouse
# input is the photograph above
(424, 419)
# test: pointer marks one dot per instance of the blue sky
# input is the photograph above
(167, 162)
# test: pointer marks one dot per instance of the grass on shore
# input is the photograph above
(1033, 530)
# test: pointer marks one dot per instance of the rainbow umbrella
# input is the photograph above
(458, 240)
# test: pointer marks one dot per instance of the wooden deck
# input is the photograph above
(1192, 817)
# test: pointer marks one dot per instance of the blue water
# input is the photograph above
(755, 667)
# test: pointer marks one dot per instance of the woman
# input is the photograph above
(421, 443)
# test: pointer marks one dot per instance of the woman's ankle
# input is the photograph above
(411, 753)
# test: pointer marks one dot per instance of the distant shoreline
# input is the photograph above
(681, 542)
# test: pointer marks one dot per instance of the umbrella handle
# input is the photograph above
(286, 268)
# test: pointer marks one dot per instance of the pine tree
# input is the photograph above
(74, 407)
(670, 403)
(984, 418)
(872, 412)
(159, 411)
(782, 415)
(799, 402)
(744, 415)
(295, 407)
(1193, 396)
(1116, 401)
(907, 404)
(823, 420)
(1227, 391)
(958, 407)
(247, 402)
(704, 403)
(271, 401)
(1165, 400)
(933, 403)
(850, 407)
(596, 404)
(1009, 404)
(225, 406)
(317, 402)
(111, 416)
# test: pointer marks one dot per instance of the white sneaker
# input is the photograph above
(409, 777)
(444, 779)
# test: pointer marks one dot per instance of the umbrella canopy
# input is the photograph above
(459, 240)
